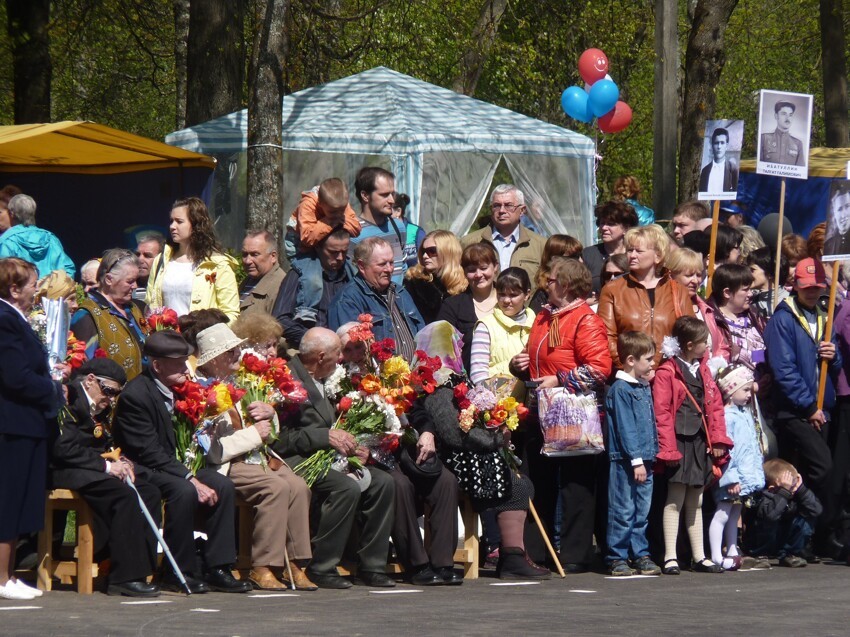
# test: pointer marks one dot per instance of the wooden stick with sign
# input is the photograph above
(827, 337)
(712, 249)
(779, 230)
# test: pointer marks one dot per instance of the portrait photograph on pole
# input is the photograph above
(785, 125)
(721, 155)
(836, 246)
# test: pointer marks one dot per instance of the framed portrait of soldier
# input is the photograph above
(721, 156)
(836, 245)
(785, 127)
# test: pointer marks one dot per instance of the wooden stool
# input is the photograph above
(245, 517)
(468, 555)
(83, 568)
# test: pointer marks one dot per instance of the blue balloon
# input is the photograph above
(575, 103)
(602, 97)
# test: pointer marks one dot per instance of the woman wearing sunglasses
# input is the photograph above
(108, 317)
(437, 275)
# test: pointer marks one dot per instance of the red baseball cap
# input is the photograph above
(809, 273)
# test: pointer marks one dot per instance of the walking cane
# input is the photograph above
(546, 539)
(159, 537)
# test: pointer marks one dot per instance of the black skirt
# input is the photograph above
(694, 468)
(23, 484)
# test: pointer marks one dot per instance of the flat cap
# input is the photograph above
(167, 344)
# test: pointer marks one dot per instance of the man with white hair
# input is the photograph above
(88, 275)
(27, 241)
(517, 245)
(341, 501)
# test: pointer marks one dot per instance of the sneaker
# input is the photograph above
(10, 591)
(23, 586)
(750, 562)
(621, 568)
(645, 566)
(792, 561)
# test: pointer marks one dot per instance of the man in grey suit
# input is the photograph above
(340, 498)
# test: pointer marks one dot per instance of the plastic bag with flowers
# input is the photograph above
(195, 408)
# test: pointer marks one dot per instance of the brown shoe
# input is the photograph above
(263, 579)
(302, 582)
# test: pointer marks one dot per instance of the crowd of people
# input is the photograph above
(708, 402)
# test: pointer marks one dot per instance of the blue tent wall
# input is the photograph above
(89, 213)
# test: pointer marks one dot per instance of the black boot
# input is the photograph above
(514, 563)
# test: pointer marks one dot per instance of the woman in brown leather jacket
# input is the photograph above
(646, 299)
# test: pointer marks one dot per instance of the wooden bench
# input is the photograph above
(83, 567)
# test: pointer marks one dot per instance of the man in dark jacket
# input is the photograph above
(341, 500)
(144, 430)
(794, 340)
(82, 461)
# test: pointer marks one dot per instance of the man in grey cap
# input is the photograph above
(144, 430)
(780, 147)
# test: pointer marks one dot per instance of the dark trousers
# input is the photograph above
(839, 442)
(779, 539)
(120, 525)
(806, 448)
(343, 508)
(441, 496)
(577, 492)
(181, 511)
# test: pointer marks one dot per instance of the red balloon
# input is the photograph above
(592, 65)
(617, 119)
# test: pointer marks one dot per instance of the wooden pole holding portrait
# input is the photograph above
(712, 249)
(827, 336)
(780, 226)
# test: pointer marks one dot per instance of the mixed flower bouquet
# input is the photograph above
(195, 408)
(372, 405)
(160, 319)
(480, 407)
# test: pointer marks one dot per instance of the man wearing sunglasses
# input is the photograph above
(517, 245)
(81, 460)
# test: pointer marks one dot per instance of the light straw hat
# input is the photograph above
(214, 341)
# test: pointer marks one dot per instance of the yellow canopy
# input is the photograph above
(823, 162)
(86, 147)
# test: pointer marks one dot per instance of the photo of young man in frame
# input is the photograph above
(836, 247)
(718, 179)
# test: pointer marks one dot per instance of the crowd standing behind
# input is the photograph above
(698, 393)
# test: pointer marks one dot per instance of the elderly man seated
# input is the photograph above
(341, 500)
(394, 314)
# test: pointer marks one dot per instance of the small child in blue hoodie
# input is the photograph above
(743, 475)
(632, 446)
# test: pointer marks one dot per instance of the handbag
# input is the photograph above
(570, 423)
(483, 476)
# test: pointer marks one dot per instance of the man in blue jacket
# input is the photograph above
(27, 241)
(794, 339)
(394, 314)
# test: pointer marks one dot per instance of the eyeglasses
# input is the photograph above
(108, 390)
(431, 251)
(510, 207)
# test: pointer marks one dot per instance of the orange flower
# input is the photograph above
(370, 384)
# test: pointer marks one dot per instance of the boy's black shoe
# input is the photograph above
(793, 561)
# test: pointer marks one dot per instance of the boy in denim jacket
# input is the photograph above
(632, 446)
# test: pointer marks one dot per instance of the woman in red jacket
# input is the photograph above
(567, 347)
(691, 430)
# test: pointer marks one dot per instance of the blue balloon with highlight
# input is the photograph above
(575, 103)
(602, 97)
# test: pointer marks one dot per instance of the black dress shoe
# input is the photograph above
(139, 588)
(171, 583)
(221, 580)
(575, 568)
(450, 578)
(371, 578)
(426, 576)
(328, 580)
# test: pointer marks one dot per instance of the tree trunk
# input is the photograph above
(181, 38)
(704, 61)
(483, 37)
(833, 46)
(665, 115)
(265, 119)
(215, 59)
(27, 23)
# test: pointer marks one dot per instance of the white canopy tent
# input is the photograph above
(443, 147)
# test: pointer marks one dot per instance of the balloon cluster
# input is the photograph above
(600, 96)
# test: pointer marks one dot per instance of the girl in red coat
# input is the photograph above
(691, 429)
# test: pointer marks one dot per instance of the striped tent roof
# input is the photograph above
(384, 112)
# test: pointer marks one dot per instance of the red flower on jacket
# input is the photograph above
(211, 278)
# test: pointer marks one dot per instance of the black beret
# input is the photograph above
(105, 368)
(167, 344)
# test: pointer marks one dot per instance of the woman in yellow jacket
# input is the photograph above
(193, 273)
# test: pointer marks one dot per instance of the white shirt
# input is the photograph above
(177, 287)
(505, 247)
(715, 177)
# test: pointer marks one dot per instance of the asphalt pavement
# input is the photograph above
(814, 600)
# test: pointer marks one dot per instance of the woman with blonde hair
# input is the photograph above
(558, 245)
(262, 332)
(58, 285)
(647, 299)
(437, 275)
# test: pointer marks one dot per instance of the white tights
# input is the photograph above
(724, 530)
(679, 497)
